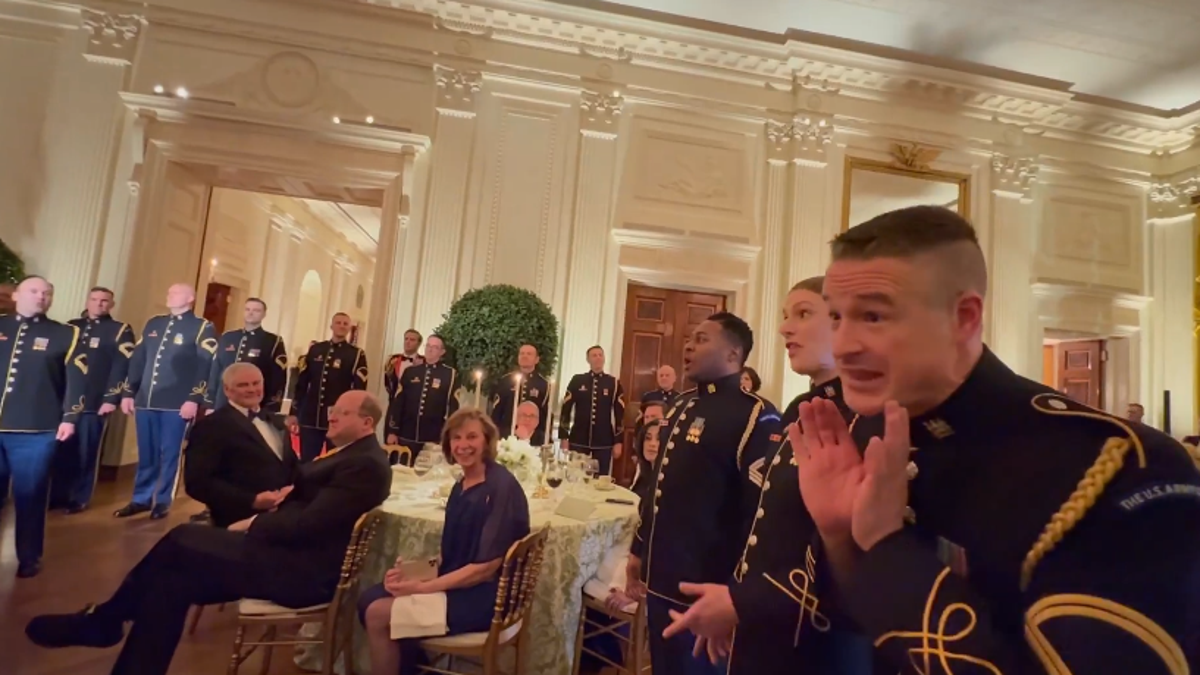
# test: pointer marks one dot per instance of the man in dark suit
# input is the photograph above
(291, 556)
(238, 462)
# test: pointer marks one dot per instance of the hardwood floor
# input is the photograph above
(86, 557)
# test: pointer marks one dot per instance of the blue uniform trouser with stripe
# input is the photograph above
(27, 458)
(160, 435)
(78, 459)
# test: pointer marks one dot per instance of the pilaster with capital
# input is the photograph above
(80, 139)
(450, 172)
(777, 200)
(815, 218)
(1171, 260)
(595, 186)
(1014, 337)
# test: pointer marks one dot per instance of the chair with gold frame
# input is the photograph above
(398, 454)
(337, 617)
(634, 648)
(518, 580)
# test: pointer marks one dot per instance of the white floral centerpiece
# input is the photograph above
(519, 457)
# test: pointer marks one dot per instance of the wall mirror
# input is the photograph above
(873, 187)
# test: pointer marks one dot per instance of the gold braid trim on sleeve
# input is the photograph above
(1112, 458)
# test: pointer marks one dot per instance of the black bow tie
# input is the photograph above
(258, 414)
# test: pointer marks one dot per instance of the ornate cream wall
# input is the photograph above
(573, 152)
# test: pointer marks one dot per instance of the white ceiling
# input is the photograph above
(359, 225)
(1144, 52)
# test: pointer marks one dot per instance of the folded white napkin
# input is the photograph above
(415, 616)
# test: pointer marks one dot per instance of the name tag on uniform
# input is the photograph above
(179, 338)
(437, 383)
(253, 354)
(40, 344)
(337, 363)
(94, 342)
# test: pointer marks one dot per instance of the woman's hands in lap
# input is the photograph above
(395, 583)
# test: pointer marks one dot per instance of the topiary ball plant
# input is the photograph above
(12, 270)
(486, 327)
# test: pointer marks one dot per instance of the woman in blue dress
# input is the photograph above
(487, 512)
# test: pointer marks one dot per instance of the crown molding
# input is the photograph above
(811, 72)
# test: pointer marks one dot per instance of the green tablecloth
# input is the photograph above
(574, 549)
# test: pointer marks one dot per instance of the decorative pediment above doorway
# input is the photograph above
(287, 82)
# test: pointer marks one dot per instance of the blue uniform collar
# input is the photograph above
(973, 407)
(183, 315)
(721, 385)
(31, 319)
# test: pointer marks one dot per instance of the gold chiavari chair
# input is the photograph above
(337, 616)
(510, 624)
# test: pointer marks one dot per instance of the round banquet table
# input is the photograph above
(412, 529)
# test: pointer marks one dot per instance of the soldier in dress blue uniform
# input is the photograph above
(665, 392)
(45, 390)
(523, 384)
(397, 363)
(692, 526)
(251, 344)
(329, 369)
(997, 526)
(167, 383)
(109, 345)
(423, 401)
(782, 626)
(599, 401)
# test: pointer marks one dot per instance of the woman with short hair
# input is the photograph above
(487, 512)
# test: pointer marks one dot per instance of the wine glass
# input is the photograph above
(591, 467)
(554, 477)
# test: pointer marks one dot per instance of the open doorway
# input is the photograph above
(1075, 367)
(306, 258)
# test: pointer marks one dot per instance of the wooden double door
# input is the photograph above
(658, 323)
(1081, 371)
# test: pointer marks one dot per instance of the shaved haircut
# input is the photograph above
(934, 233)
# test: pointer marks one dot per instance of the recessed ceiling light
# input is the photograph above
(337, 120)
(370, 119)
(158, 89)
(181, 92)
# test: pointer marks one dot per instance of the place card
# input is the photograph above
(575, 508)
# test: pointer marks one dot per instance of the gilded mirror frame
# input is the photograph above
(912, 161)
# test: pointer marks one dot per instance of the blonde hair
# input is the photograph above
(491, 435)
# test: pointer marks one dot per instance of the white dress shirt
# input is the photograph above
(268, 433)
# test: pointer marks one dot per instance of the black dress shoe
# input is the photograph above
(82, 629)
(29, 570)
(159, 512)
(76, 508)
(204, 516)
(131, 509)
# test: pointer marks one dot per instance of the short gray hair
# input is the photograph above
(531, 404)
(236, 369)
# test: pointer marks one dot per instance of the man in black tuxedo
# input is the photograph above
(238, 462)
(291, 556)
